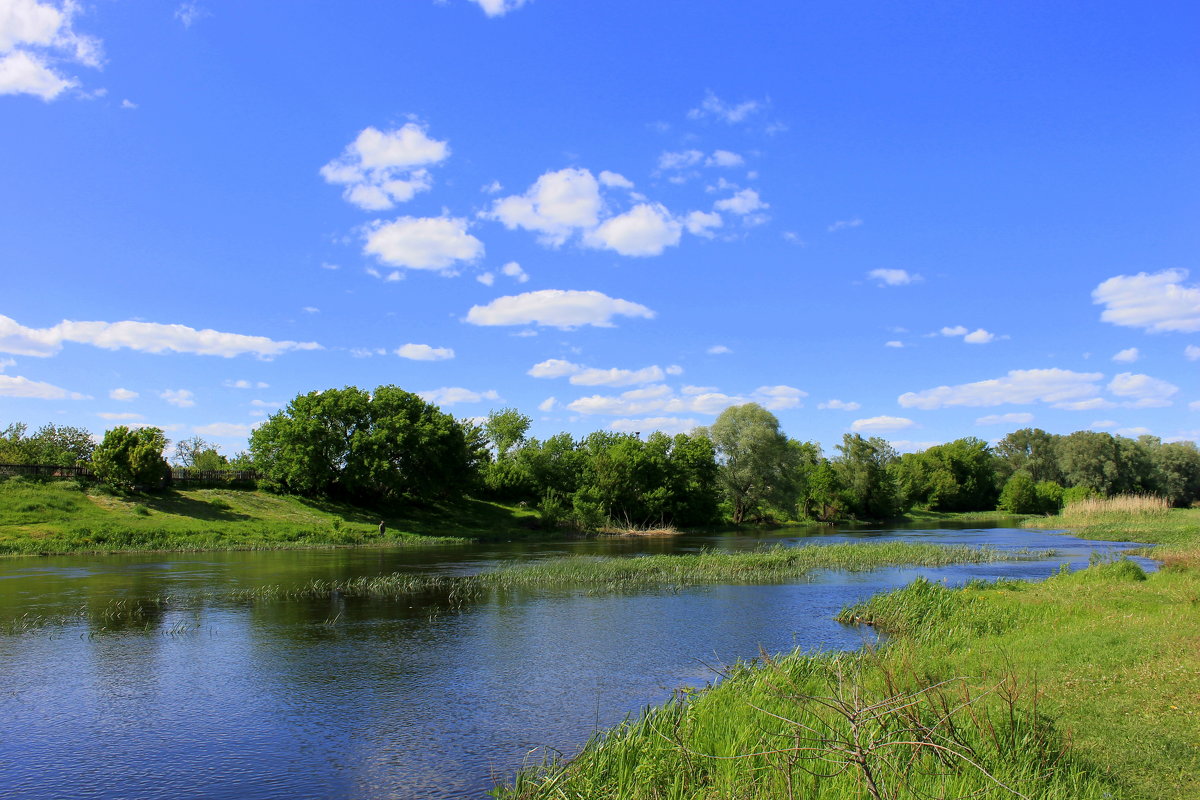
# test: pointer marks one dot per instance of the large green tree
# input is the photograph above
(756, 466)
(55, 445)
(868, 486)
(132, 459)
(378, 446)
(1032, 450)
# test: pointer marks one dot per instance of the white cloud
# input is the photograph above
(487, 278)
(881, 424)
(548, 404)
(893, 277)
(498, 8)
(225, 430)
(713, 106)
(644, 230)
(17, 386)
(778, 398)
(674, 369)
(183, 398)
(1135, 432)
(1130, 355)
(128, 105)
(245, 384)
(1018, 386)
(33, 37)
(127, 416)
(1192, 352)
(670, 425)
(513, 270)
(553, 368)
(893, 343)
(424, 352)
(1092, 404)
(957, 330)
(190, 13)
(1021, 418)
(682, 159)
(844, 224)
(1157, 302)
(265, 404)
(724, 158)
(556, 308)
(311, 310)
(124, 395)
(150, 337)
(718, 350)
(615, 180)
(1100, 424)
(701, 223)
(744, 202)
(452, 395)
(555, 207)
(382, 168)
(979, 336)
(1142, 391)
(839, 405)
(5, 363)
(617, 377)
(660, 398)
(435, 243)
(327, 265)
(697, 389)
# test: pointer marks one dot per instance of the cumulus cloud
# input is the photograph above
(35, 39)
(18, 386)
(498, 8)
(839, 405)
(844, 224)
(645, 230)
(452, 395)
(183, 398)
(149, 337)
(124, 395)
(615, 180)
(548, 404)
(873, 424)
(556, 308)
(1018, 386)
(731, 113)
(702, 223)
(979, 336)
(1157, 302)
(424, 352)
(718, 350)
(893, 277)
(557, 205)
(435, 243)
(224, 430)
(660, 398)
(724, 158)
(1142, 391)
(382, 168)
(1129, 355)
(513, 270)
(1191, 352)
(742, 203)
(1022, 418)
(669, 425)
(679, 160)
(590, 376)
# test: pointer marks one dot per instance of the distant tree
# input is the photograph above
(373, 447)
(1050, 497)
(1020, 495)
(506, 429)
(1179, 472)
(1030, 449)
(132, 459)
(754, 461)
(825, 497)
(196, 453)
(1091, 459)
(956, 476)
(56, 445)
(868, 485)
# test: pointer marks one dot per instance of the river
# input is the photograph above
(211, 698)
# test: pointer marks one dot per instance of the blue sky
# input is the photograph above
(919, 221)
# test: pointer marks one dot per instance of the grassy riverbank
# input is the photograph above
(1084, 686)
(67, 517)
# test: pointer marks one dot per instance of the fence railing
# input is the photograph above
(178, 474)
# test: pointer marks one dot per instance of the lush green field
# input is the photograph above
(66, 517)
(1084, 686)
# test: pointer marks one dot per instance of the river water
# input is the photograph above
(210, 698)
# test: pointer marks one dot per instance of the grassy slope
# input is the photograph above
(61, 517)
(1106, 663)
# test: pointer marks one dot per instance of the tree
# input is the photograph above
(196, 453)
(1020, 495)
(868, 485)
(754, 460)
(506, 429)
(1091, 459)
(132, 459)
(1030, 449)
(55, 445)
(381, 446)
(956, 476)
(1179, 470)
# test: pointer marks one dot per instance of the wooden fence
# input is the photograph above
(178, 474)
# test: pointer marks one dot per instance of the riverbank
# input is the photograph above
(1082, 686)
(64, 516)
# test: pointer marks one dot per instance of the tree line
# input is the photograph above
(390, 446)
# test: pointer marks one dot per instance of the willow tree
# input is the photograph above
(754, 460)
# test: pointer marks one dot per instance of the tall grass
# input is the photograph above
(1123, 505)
(1139, 518)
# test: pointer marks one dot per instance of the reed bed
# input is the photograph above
(1123, 505)
(1138, 518)
(616, 573)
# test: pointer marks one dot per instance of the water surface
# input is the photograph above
(336, 698)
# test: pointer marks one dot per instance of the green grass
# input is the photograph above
(603, 574)
(1082, 686)
(56, 517)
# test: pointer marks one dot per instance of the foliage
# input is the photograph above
(377, 447)
(1032, 450)
(863, 470)
(54, 445)
(506, 429)
(132, 460)
(196, 453)
(1020, 495)
(957, 476)
(757, 465)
